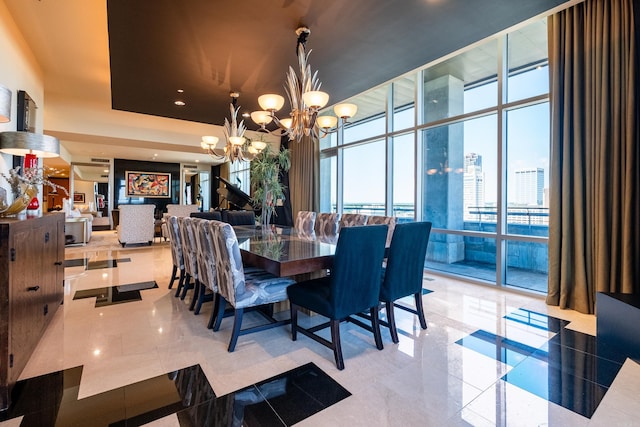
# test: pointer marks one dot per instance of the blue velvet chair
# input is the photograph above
(352, 287)
(403, 273)
(391, 222)
(242, 288)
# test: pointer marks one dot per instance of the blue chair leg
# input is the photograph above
(391, 320)
(420, 310)
(222, 303)
(174, 276)
(237, 323)
(202, 297)
(294, 321)
(375, 325)
(187, 285)
(337, 346)
(180, 283)
(197, 287)
(214, 312)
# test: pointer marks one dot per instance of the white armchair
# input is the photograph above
(136, 224)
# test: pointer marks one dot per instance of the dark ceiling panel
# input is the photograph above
(209, 48)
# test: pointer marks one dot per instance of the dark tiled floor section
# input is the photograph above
(94, 265)
(572, 369)
(116, 294)
(77, 262)
(106, 263)
(283, 400)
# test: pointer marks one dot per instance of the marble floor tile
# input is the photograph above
(428, 378)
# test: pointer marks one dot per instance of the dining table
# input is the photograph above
(283, 251)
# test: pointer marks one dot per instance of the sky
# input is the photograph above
(527, 135)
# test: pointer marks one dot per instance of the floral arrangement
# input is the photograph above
(31, 176)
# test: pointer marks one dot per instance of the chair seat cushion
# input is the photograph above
(313, 294)
(261, 287)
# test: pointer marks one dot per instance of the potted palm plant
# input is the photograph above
(265, 181)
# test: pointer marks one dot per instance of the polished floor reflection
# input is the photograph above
(570, 370)
(489, 357)
(284, 400)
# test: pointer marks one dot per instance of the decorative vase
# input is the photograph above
(20, 202)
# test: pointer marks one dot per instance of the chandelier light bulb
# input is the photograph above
(345, 111)
(236, 140)
(286, 123)
(315, 99)
(327, 122)
(262, 118)
(210, 140)
(259, 145)
(271, 102)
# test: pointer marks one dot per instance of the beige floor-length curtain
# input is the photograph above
(594, 228)
(304, 175)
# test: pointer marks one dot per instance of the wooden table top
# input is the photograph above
(284, 252)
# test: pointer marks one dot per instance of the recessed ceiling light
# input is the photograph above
(246, 115)
(106, 171)
(197, 161)
(180, 103)
(180, 91)
(155, 154)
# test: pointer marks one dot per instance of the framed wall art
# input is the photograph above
(148, 184)
(78, 197)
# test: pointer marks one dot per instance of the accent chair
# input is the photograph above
(352, 287)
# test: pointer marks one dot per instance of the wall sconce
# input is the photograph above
(5, 104)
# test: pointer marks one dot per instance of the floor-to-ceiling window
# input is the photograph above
(463, 143)
(239, 175)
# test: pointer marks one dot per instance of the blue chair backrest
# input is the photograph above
(357, 266)
(405, 261)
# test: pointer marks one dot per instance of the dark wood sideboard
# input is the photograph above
(31, 289)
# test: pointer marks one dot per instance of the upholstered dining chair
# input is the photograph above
(189, 251)
(206, 262)
(403, 272)
(389, 220)
(352, 220)
(173, 233)
(352, 287)
(305, 222)
(327, 224)
(242, 288)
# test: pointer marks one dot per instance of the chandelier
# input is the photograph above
(237, 147)
(306, 100)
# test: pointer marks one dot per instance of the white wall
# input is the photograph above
(86, 187)
(19, 70)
